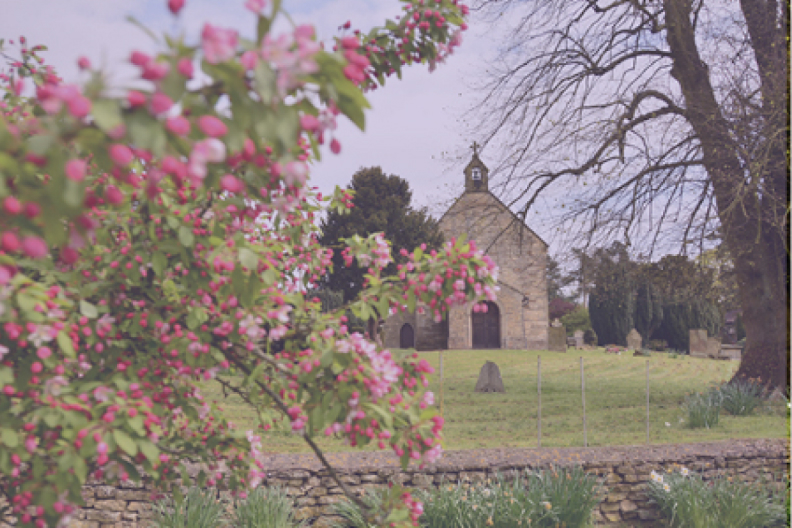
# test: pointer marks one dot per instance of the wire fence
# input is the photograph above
(594, 399)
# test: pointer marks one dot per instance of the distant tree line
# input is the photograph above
(662, 300)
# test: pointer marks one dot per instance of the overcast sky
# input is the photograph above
(414, 129)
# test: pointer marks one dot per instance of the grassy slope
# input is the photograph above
(615, 402)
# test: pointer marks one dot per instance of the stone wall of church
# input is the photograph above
(429, 335)
(521, 257)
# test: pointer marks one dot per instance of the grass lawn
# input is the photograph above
(615, 402)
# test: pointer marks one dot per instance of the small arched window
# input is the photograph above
(476, 174)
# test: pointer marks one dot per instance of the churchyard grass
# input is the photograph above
(615, 402)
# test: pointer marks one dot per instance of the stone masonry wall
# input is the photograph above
(622, 471)
(522, 258)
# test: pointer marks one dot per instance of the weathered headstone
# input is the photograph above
(489, 379)
(556, 339)
(698, 342)
(579, 339)
(634, 340)
(733, 352)
(714, 347)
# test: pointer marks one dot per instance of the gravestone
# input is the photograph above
(733, 352)
(698, 342)
(556, 339)
(714, 347)
(489, 379)
(579, 339)
(634, 340)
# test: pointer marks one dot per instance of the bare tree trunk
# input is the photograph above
(754, 221)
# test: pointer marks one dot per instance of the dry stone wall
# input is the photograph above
(623, 472)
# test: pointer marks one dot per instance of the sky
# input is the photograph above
(414, 129)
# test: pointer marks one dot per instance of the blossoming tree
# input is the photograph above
(167, 239)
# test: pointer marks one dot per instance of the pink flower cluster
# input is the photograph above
(292, 56)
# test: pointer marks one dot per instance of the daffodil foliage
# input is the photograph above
(163, 239)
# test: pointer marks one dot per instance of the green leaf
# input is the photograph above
(40, 144)
(9, 437)
(256, 374)
(88, 310)
(26, 302)
(248, 259)
(6, 375)
(149, 450)
(142, 27)
(80, 469)
(65, 344)
(106, 114)
(125, 442)
(158, 262)
(186, 236)
(327, 358)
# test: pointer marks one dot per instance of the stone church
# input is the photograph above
(519, 317)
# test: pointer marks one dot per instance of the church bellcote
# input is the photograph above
(476, 173)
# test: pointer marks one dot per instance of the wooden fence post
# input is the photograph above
(583, 395)
(539, 390)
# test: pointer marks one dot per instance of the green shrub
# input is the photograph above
(199, 509)
(265, 508)
(577, 319)
(350, 512)
(590, 337)
(658, 345)
(741, 397)
(557, 497)
(703, 409)
(686, 501)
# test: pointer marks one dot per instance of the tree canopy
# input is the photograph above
(381, 204)
(661, 123)
(164, 238)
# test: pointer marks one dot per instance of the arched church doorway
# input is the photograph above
(406, 336)
(486, 327)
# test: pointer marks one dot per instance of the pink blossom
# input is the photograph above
(309, 122)
(154, 71)
(207, 151)
(160, 103)
(113, 195)
(34, 247)
(31, 443)
(295, 173)
(75, 169)
(218, 44)
(138, 58)
(12, 206)
(79, 106)
(212, 126)
(185, 67)
(249, 60)
(135, 98)
(120, 154)
(178, 125)
(9, 242)
(350, 42)
(83, 63)
(335, 146)
(231, 184)
(256, 6)
(175, 6)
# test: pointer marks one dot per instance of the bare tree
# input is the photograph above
(660, 121)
